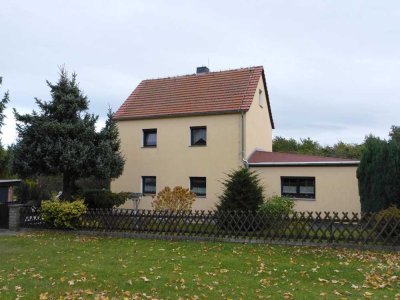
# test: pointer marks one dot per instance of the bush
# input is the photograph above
(104, 198)
(62, 214)
(277, 206)
(386, 219)
(243, 191)
(177, 199)
(29, 191)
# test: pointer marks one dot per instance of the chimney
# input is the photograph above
(202, 70)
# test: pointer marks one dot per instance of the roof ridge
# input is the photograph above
(204, 74)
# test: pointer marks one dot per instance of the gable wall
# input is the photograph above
(258, 130)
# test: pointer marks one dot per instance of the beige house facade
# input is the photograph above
(192, 130)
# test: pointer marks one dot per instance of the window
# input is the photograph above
(198, 186)
(260, 98)
(198, 136)
(149, 184)
(149, 137)
(298, 187)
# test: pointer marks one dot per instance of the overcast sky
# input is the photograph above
(332, 67)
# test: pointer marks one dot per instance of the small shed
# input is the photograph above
(7, 189)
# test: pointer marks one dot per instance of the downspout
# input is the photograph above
(245, 162)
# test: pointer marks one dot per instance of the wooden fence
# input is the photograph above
(299, 227)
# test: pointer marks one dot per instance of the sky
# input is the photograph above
(332, 67)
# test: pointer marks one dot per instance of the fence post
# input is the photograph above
(14, 220)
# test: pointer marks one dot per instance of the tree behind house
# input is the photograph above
(61, 139)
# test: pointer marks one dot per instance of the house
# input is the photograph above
(192, 130)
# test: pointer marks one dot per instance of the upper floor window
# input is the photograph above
(198, 186)
(261, 98)
(198, 136)
(298, 187)
(149, 137)
(149, 185)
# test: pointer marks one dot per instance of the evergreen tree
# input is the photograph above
(3, 104)
(110, 161)
(242, 191)
(379, 175)
(61, 138)
(4, 154)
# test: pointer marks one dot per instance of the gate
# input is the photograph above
(4, 211)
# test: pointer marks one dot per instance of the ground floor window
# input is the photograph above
(198, 186)
(149, 184)
(298, 187)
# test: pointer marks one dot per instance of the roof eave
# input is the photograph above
(268, 102)
(224, 112)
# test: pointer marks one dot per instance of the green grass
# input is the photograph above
(65, 265)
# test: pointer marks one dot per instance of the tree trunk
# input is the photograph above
(68, 187)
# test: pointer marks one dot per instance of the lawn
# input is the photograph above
(46, 266)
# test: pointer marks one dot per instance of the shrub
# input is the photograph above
(177, 199)
(243, 191)
(104, 198)
(386, 219)
(277, 206)
(29, 191)
(62, 214)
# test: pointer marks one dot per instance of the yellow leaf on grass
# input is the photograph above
(368, 295)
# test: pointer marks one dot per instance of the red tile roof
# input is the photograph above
(210, 93)
(279, 158)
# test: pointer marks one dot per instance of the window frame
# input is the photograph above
(191, 186)
(144, 192)
(148, 131)
(192, 128)
(299, 195)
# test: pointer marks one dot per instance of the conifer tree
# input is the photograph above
(379, 174)
(4, 153)
(242, 191)
(61, 139)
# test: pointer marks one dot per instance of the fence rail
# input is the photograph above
(312, 227)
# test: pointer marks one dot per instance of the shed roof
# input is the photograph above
(265, 158)
(9, 182)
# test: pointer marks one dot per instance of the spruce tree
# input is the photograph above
(61, 138)
(242, 191)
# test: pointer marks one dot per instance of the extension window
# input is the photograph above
(298, 187)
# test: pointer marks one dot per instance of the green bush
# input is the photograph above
(277, 206)
(104, 198)
(29, 191)
(386, 219)
(62, 214)
(242, 191)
